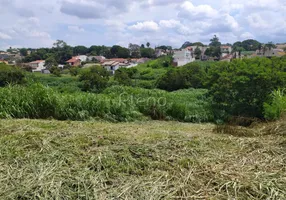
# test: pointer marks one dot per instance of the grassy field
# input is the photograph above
(140, 160)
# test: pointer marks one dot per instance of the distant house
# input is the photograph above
(96, 58)
(3, 61)
(111, 66)
(74, 61)
(270, 53)
(83, 58)
(183, 57)
(225, 50)
(37, 66)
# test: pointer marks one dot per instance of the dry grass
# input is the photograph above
(151, 160)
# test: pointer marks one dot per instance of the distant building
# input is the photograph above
(270, 53)
(96, 58)
(225, 50)
(3, 61)
(183, 57)
(74, 61)
(111, 66)
(83, 58)
(37, 66)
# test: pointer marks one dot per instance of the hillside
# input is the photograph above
(140, 160)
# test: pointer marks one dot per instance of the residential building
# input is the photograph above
(225, 50)
(96, 58)
(74, 61)
(4, 61)
(183, 57)
(83, 58)
(111, 66)
(270, 53)
(37, 66)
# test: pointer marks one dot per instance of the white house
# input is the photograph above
(83, 58)
(37, 66)
(111, 66)
(225, 50)
(183, 57)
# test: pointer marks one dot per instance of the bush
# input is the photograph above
(94, 79)
(241, 87)
(189, 76)
(11, 75)
(275, 109)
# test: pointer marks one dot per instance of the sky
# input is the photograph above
(39, 23)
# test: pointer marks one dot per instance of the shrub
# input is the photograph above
(275, 109)
(94, 79)
(11, 75)
(241, 87)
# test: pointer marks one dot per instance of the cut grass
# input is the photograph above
(151, 160)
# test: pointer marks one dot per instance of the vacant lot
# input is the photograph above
(150, 160)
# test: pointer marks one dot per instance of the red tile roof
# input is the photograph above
(73, 59)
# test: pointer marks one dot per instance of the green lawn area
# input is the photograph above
(48, 159)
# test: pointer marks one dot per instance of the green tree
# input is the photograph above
(50, 62)
(23, 52)
(94, 79)
(215, 42)
(148, 44)
(55, 71)
(250, 45)
(74, 71)
(147, 52)
(198, 53)
(80, 50)
(11, 75)
(241, 87)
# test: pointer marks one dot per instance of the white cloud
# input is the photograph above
(188, 10)
(145, 26)
(4, 36)
(76, 29)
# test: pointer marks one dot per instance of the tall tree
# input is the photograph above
(148, 44)
(215, 42)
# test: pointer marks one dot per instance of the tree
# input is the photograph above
(11, 75)
(142, 46)
(270, 45)
(215, 42)
(74, 71)
(241, 87)
(60, 44)
(124, 75)
(50, 62)
(55, 71)
(284, 49)
(198, 53)
(94, 79)
(23, 52)
(148, 44)
(250, 45)
(147, 52)
(80, 50)
(119, 52)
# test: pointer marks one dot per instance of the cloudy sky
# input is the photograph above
(31, 23)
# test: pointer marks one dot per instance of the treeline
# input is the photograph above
(61, 52)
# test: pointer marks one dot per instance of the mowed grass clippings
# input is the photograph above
(151, 160)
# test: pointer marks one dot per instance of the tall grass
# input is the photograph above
(277, 107)
(116, 104)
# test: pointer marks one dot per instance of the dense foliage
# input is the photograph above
(189, 76)
(241, 87)
(11, 75)
(115, 103)
(94, 79)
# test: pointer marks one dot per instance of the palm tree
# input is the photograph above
(148, 44)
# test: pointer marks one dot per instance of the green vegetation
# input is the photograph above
(150, 160)
(11, 75)
(241, 87)
(277, 107)
(94, 79)
(115, 104)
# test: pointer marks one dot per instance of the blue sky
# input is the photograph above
(30, 23)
